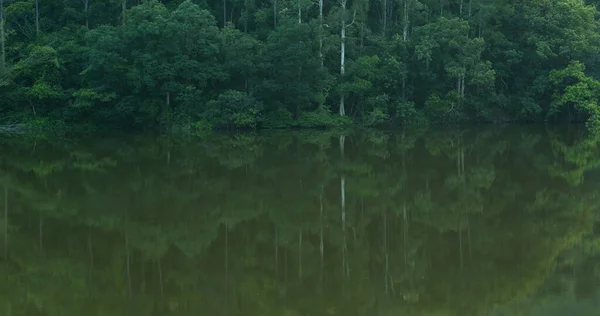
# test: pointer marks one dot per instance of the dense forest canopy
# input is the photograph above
(300, 224)
(201, 64)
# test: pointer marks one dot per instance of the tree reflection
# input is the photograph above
(353, 223)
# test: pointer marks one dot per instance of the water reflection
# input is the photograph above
(464, 222)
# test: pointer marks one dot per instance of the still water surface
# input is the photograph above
(481, 221)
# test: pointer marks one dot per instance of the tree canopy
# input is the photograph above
(195, 65)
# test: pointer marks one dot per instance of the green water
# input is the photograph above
(480, 221)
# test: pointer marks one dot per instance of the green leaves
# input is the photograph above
(581, 92)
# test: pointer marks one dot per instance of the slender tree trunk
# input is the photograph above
(224, 13)
(123, 8)
(406, 21)
(320, 32)
(470, 8)
(85, 10)
(343, 55)
(384, 18)
(37, 17)
(2, 47)
(274, 13)
(460, 10)
(342, 67)
(299, 13)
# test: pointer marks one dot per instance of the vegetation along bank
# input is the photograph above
(202, 64)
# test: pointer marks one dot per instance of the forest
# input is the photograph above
(197, 65)
(300, 224)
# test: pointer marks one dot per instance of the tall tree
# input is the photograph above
(344, 26)
(2, 37)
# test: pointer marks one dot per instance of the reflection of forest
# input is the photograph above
(369, 223)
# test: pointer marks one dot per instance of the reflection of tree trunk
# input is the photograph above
(90, 250)
(226, 253)
(300, 255)
(385, 252)
(128, 264)
(276, 253)
(460, 243)
(321, 245)
(160, 279)
(41, 233)
(6, 220)
(405, 240)
(469, 237)
(345, 264)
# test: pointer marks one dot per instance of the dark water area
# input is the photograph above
(475, 221)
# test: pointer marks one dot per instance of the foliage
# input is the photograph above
(166, 65)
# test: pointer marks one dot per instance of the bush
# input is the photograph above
(322, 117)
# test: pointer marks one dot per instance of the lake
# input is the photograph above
(472, 221)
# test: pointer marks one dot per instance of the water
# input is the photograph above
(480, 221)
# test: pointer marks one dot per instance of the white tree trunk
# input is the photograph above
(343, 55)
(460, 10)
(299, 12)
(342, 64)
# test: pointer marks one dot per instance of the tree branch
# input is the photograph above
(353, 19)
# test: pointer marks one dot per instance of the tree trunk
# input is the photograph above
(274, 13)
(320, 32)
(384, 20)
(2, 47)
(299, 13)
(123, 8)
(224, 13)
(85, 10)
(37, 17)
(470, 8)
(406, 22)
(460, 10)
(343, 56)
